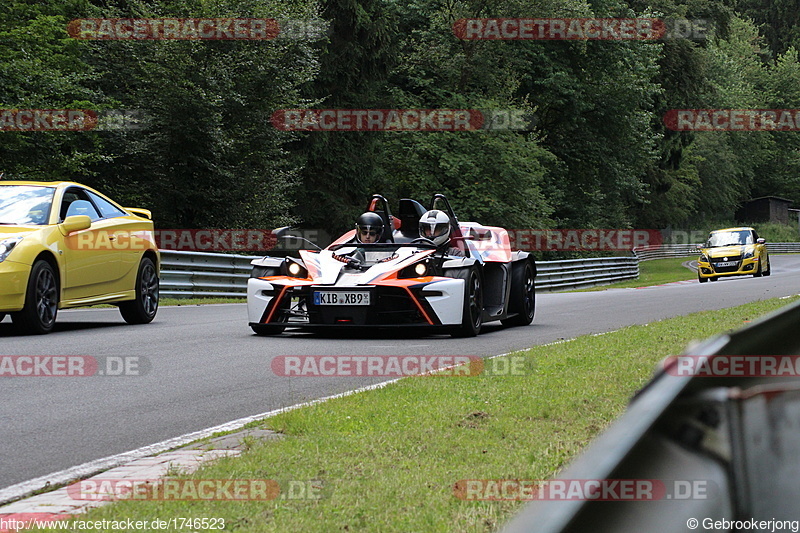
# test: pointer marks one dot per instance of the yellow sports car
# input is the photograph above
(732, 252)
(65, 245)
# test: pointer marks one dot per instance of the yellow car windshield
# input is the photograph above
(25, 204)
(730, 238)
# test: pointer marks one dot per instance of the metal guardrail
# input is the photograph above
(199, 274)
(783, 247)
(683, 250)
(735, 435)
(583, 273)
(664, 251)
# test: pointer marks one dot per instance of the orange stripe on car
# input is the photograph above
(277, 302)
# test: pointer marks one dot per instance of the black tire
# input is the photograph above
(713, 278)
(768, 271)
(701, 279)
(143, 309)
(38, 316)
(265, 330)
(758, 273)
(472, 312)
(523, 295)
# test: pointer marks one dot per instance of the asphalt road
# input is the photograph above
(207, 368)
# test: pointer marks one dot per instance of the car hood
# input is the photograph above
(13, 231)
(724, 251)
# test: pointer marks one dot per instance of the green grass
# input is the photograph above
(655, 272)
(388, 459)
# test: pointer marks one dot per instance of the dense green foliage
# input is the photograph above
(599, 155)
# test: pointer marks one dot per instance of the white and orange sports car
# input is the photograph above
(404, 280)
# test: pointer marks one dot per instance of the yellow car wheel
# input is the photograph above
(41, 301)
(143, 309)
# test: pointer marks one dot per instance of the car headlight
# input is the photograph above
(748, 253)
(293, 268)
(417, 270)
(704, 258)
(6, 245)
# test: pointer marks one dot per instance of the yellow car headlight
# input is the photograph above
(6, 245)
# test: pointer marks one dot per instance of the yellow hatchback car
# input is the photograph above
(65, 245)
(733, 252)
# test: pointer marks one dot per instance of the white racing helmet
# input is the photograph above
(435, 225)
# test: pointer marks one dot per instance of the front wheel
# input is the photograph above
(472, 313)
(523, 296)
(768, 271)
(41, 301)
(701, 279)
(142, 310)
(758, 271)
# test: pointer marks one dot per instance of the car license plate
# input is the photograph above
(726, 263)
(341, 298)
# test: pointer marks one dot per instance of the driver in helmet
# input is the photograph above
(369, 228)
(435, 225)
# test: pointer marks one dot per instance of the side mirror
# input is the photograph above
(281, 232)
(700, 246)
(761, 241)
(76, 223)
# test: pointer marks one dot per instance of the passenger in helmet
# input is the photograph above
(369, 228)
(435, 225)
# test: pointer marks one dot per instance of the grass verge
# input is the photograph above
(388, 458)
(655, 272)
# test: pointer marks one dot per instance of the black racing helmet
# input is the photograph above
(369, 223)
